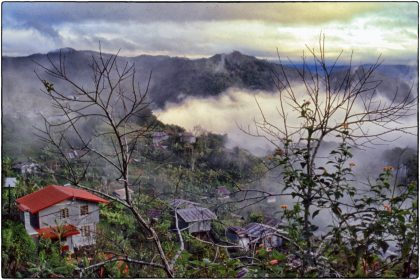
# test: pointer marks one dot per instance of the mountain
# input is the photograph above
(173, 78)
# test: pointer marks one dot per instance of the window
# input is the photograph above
(64, 213)
(84, 210)
(85, 230)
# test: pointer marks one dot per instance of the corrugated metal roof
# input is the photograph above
(194, 214)
(258, 230)
(182, 203)
(159, 134)
(51, 195)
(237, 230)
(52, 232)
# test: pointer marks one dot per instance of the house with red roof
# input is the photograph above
(61, 213)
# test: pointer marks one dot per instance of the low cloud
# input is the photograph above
(236, 111)
(224, 114)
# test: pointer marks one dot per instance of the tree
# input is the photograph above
(328, 102)
(111, 103)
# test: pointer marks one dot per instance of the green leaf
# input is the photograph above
(278, 256)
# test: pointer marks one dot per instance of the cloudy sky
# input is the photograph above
(203, 29)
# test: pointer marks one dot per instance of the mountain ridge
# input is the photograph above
(173, 78)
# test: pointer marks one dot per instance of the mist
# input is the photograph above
(235, 111)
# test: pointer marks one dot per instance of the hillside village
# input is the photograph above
(76, 219)
(96, 185)
(210, 140)
(117, 193)
(207, 207)
(113, 192)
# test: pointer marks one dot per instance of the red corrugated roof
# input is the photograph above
(51, 195)
(52, 232)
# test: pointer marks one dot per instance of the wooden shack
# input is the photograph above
(238, 236)
(188, 138)
(159, 139)
(253, 235)
(178, 203)
(196, 219)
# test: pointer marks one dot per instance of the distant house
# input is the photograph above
(254, 234)
(188, 138)
(195, 219)
(76, 154)
(182, 203)
(191, 216)
(271, 199)
(52, 164)
(154, 214)
(26, 168)
(120, 193)
(222, 193)
(61, 212)
(239, 236)
(159, 138)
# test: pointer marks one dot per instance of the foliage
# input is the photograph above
(205, 261)
(117, 217)
(17, 248)
(366, 219)
(373, 231)
(51, 262)
(256, 217)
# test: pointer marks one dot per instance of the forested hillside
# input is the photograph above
(182, 204)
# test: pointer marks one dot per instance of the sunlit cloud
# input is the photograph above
(204, 29)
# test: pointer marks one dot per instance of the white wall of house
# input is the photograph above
(69, 242)
(244, 243)
(80, 240)
(51, 217)
(272, 241)
(24, 216)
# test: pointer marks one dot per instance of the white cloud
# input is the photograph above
(236, 108)
(18, 41)
(259, 36)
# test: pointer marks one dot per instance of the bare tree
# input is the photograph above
(114, 100)
(323, 103)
